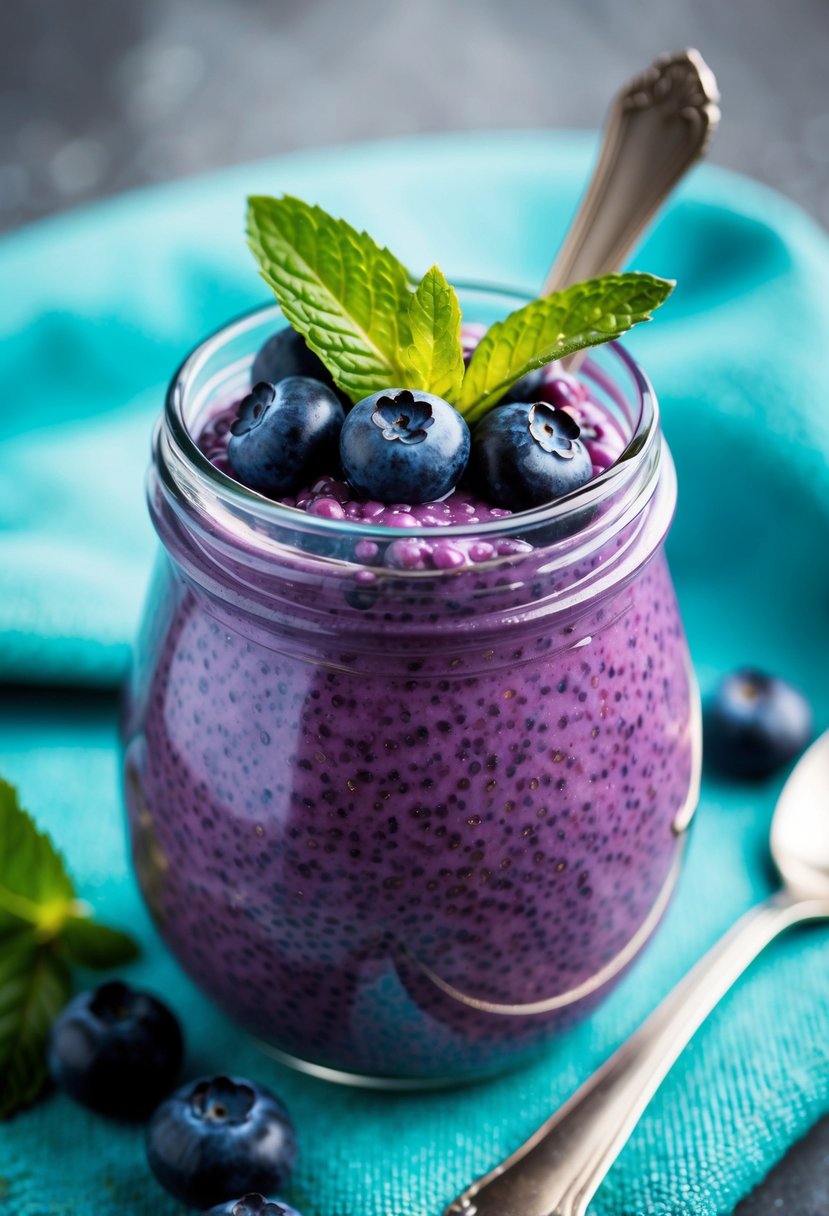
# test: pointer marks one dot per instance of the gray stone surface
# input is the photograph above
(799, 1185)
(99, 96)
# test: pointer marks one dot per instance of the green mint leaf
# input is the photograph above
(435, 356)
(345, 294)
(586, 314)
(35, 888)
(43, 927)
(34, 987)
(87, 944)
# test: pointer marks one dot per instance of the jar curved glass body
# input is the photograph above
(405, 826)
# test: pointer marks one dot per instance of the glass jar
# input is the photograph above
(406, 825)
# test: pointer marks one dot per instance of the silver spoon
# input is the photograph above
(659, 124)
(559, 1169)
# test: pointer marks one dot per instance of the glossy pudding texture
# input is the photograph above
(417, 833)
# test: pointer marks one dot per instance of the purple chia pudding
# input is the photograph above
(406, 805)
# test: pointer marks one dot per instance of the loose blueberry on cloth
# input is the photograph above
(735, 364)
(116, 1050)
(754, 724)
(218, 1136)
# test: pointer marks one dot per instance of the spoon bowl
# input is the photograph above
(800, 828)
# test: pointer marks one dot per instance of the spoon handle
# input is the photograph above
(658, 125)
(558, 1170)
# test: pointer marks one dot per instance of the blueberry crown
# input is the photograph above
(221, 1100)
(257, 1205)
(403, 417)
(113, 1002)
(553, 430)
(252, 408)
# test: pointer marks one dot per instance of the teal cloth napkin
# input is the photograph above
(97, 308)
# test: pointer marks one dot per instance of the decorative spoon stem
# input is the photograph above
(658, 126)
(559, 1169)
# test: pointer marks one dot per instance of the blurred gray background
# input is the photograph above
(99, 96)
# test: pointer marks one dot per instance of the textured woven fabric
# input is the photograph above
(96, 310)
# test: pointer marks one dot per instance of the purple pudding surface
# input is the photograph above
(413, 837)
(329, 497)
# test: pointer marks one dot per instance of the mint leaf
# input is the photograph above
(35, 888)
(435, 355)
(352, 301)
(586, 314)
(34, 987)
(345, 294)
(87, 944)
(43, 926)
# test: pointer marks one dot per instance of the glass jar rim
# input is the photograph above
(634, 456)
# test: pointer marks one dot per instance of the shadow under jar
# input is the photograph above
(405, 826)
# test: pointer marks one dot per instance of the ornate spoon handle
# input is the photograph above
(558, 1170)
(658, 125)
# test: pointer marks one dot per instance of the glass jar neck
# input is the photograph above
(274, 563)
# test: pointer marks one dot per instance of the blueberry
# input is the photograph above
(549, 383)
(284, 434)
(253, 1205)
(116, 1049)
(754, 723)
(404, 446)
(220, 1137)
(524, 455)
(286, 353)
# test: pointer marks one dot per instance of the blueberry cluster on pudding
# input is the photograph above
(405, 459)
(376, 391)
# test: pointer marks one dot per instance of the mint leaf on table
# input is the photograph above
(435, 355)
(34, 987)
(43, 927)
(85, 943)
(35, 889)
(346, 295)
(586, 314)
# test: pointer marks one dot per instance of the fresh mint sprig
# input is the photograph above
(354, 304)
(44, 928)
(586, 314)
(435, 355)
